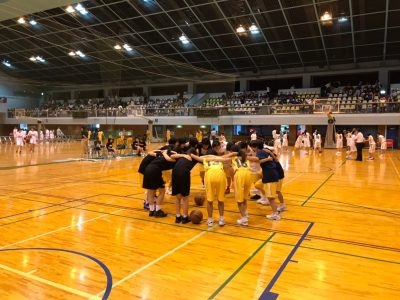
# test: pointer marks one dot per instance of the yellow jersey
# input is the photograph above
(212, 167)
(237, 164)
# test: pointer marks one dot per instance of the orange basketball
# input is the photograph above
(196, 216)
(199, 199)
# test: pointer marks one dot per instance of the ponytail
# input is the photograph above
(243, 156)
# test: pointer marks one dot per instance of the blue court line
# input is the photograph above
(106, 270)
(48, 206)
(267, 294)
(29, 218)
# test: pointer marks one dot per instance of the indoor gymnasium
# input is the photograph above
(199, 149)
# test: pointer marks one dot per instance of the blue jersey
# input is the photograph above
(269, 171)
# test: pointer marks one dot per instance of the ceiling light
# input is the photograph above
(117, 47)
(80, 53)
(326, 17)
(70, 9)
(42, 94)
(33, 22)
(32, 58)
(21, 20)
(254, 29)
(343, 19)
(240, 29)
(382, 92)
(127, 47)
(41, 59)
(81, 9)
(6, 63)
(183, 38)
(72, 53)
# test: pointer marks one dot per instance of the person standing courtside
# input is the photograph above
(359, 140)
(84, 141)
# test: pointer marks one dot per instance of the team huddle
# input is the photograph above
(223, 166)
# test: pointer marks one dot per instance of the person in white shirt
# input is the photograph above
(351, 145)
(298, 142)
(47, 135)
(51, 136)
(317, 141)
(372, 146)
(383, 144)
(306, 141)
(339, 142)
(41, 136)
(285, 142)
(359, 140)
(33, 138)
(19, 141)
(253, 135)
(277, 142)
(15, 130)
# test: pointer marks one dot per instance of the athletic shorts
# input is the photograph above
(270, 189)
(215, 186)
(256, 177)
(242, 182)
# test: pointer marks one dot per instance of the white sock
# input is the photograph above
(210, 219)
(184, 216)
(151, 208)
(158, 207)
(178, 215)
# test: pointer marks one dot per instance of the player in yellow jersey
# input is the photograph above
(215, 183)
(100, 136)
(168, 135)
(242, 181)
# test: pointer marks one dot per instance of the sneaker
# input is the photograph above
(160, 214)
(146, 205)
(254, 191)
(210, 222)
(263, 201)
(185, 220)
(371, 158)
(178, 219)
(243, 221)
(282, 207)
(274, 216)
(227, 191)
(255, 197)
(221, 221)
(151, 213)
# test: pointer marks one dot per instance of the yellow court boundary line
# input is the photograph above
(48, 282)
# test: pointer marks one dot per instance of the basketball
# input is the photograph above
(196, 216)
(199, 199)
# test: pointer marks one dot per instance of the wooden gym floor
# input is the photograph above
(77, 229)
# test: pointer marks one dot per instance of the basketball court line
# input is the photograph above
(57, 230)
(105, 269)
(59, 286)
(267, 294)
(283, 232)
(229, 279)
(143, 268)
(339, 253)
